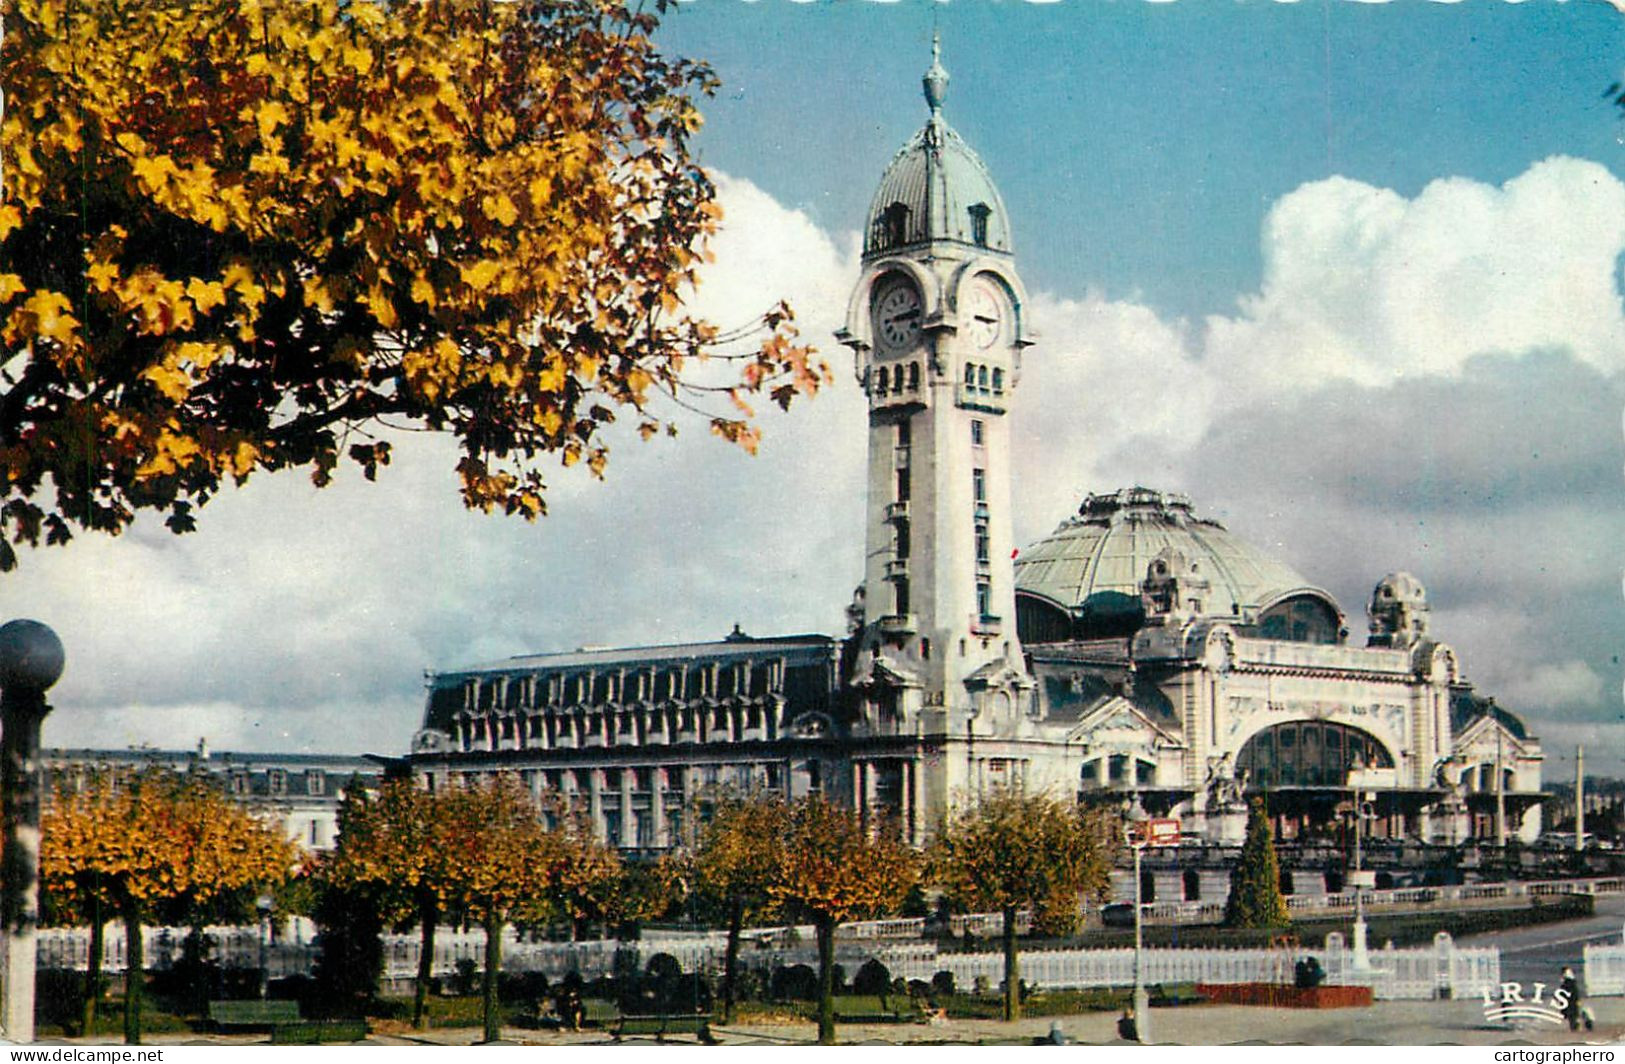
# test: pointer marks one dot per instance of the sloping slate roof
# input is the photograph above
(1466, 706)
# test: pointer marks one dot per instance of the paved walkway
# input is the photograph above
(1388, 1022)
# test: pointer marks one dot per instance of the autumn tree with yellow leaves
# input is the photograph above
(834, 868)
(240, 236)
(392, 847)
(732, 868)
(484, 852)
(1012, 851)
(129, 844)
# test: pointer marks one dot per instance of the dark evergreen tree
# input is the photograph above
(350, 942)
(1255, 886)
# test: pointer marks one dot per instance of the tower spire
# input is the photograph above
(936, 79)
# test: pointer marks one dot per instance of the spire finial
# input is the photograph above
(936, 79)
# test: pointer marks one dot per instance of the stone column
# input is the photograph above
(657, 805)
(595, 802)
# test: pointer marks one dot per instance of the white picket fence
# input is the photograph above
(1441, 969)
(1605, 968)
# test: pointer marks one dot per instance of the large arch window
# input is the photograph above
(1309, 753)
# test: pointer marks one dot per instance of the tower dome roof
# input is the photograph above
(1094, 567)
(936, 187)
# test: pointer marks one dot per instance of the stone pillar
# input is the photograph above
(906, 792)
(628, 822)
(595, 802)
(657, 805)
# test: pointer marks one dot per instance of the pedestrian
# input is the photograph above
(1127, 1030)
(1570, 986)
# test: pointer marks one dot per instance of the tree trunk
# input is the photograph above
(93, 973)
(1012, 967)
(134, 974)
(429, 914)
(493, 970)
(730, 965)
(826, 980)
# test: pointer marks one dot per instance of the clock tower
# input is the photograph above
(937, 326)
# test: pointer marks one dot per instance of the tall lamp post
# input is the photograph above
(264, 904)
(31, 660)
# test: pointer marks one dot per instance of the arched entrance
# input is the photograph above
(1309, 753)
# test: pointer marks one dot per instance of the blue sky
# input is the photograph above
(1346, 273)
(1145, 141)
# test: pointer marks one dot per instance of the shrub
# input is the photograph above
(873, 978)
(943, 982)
(798, 982)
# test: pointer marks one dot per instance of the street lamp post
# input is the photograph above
(264, 904)
(1142, 1000)
(31, 660)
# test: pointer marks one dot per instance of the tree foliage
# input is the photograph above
(131, 844)
(1012, 851)
(1255, 885)
(241, 236)
(834, 868)
(481, 852)
(733, 868)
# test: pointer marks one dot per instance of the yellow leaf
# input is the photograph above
(481, 274)
(172, 383)
(10, 285)
(423, 291)
(51, 318)
(206, 295)
(102, 274)
(500, 208)
(317, 295)
(358, 59)
(382, 307)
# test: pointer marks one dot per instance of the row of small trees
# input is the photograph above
(159, 847)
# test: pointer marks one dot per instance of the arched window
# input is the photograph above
(891, 228)
(998, 381)
(913, 376)
(1309, 753)
(981, 378)
(885, 381)
(970, 377)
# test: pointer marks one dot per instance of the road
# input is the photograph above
(1531, 954)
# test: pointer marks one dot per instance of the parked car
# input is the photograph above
(1117, 914)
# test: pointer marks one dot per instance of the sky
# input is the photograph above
(1348, 274)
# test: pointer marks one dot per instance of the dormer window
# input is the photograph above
(891, 228)
(979, 214)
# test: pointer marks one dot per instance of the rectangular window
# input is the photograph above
(316, 782)
(979, 484)
(612, 829)
(902, 484)
(984, 598)
(978, 431)
(276, 781)
(982, 543)
(902, 540)
(904, 431)
(901, 587)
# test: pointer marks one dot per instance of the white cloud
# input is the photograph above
(1361, 284)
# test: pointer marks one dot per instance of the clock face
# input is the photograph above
(983, 318)
(897, 317)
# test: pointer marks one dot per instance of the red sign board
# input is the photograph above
(1158, 832)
